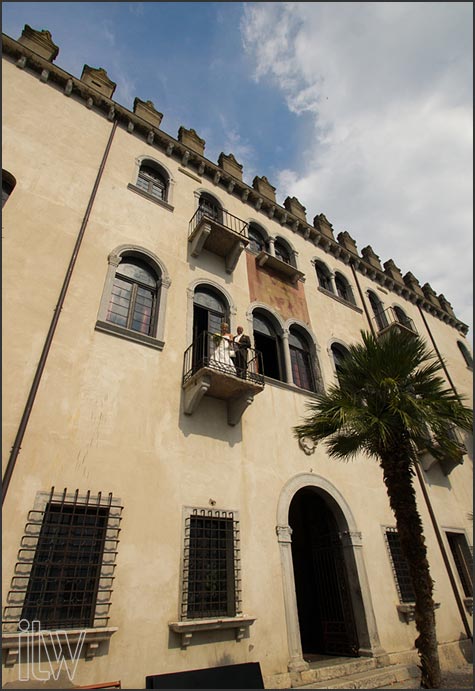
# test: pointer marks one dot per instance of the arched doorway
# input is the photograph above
(324, 601)
(210, 310)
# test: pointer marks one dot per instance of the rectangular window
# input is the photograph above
(66, 562)
(400, 566)
(211, 565)
(463, 560)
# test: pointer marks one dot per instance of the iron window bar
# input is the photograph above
(211, 584)
(64, 575)
(400, 567)
(222, 217)
(205, 351)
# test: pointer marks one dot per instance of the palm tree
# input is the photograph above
(389, 402)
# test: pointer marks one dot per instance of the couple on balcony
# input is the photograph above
(232, 350)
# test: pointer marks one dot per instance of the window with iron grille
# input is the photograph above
(211, 568)
(463, 560)
(65, 571)
(400, 566)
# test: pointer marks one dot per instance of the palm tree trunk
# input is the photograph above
(398, 476)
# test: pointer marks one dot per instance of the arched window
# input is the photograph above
(378, 311)
(282, 251)
(134, 296)
(301, 359)
(343, 288)
(466, 354)
(153, 180)
(210, 207)
(257, 242)
(268, 341)
(209, 311)
(8, 184)
(339, 353)
(402, 317)
(324, 276)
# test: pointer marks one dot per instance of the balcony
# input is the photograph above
(278, 266)
(448, 463)
(209, 370)
(390, 319)
(220, 233)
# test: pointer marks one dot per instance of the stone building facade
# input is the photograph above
(155, 497)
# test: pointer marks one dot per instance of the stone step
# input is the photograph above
(332, 669)
(372, 679)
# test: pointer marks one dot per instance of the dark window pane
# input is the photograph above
(400, 567)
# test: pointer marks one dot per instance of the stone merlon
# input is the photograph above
(146, 110)
(293, 205)
(40, 42)
(370, 256)
(323, 225)
(263, 186)
(229, 164)
(393, 271)
(98, 79)
(191, 140)
(345, 239)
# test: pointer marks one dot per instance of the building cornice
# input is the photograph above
(25, 58)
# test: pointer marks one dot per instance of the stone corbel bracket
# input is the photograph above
(187, 628)
(407, 610)
(14, 643)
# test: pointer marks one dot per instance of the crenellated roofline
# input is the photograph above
(95, 90)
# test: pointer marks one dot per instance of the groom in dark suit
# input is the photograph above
(241, 344)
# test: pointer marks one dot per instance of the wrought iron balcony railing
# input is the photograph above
(389, 318)
(220, 217)
(215, 352)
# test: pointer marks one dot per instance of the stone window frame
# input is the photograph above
(348, 286)
(190, 294)
(293, 254)
(145, 159)
(186, 628)
(329, 273)
(8, 185)
(314, 350)
(266, 237)
(467, 600)
(466, 354)
(337, 342)
(157, 340)
(14, 641)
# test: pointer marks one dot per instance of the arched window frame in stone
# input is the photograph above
(8, 185)
(314, 350)
(293, 254)
(324, 268)
(466, 354)
(335, 342)
(210, 193)
(268, 241)
(349, 289)
(190, 294)
(281, 331)
(163, 170)
(157, 340)
(384, 322)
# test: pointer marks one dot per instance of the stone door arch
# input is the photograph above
(365, 622)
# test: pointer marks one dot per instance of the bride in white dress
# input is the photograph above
(221, 348)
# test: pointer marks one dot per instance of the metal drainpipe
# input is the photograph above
(362, 298)
(438, 534)
(54, 322)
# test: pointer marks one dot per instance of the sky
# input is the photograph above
(361, 110)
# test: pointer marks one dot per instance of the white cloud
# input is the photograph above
(388, 86)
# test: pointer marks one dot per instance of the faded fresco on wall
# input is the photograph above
(288, 299)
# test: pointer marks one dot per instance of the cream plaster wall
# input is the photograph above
(109, 413)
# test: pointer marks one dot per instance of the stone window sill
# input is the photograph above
(129, 335)
(187, 628)
(340, 300)
(150, 197)
(12, 643)
(407, 610)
